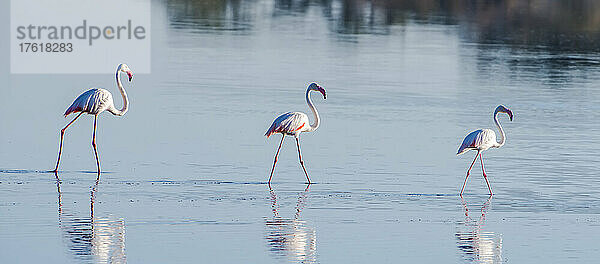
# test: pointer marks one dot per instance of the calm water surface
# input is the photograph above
(185, 169)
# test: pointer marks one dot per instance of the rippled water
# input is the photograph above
(185, 170)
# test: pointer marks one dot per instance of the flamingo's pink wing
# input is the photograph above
(288, 123)
(90, 101)
(471, 141)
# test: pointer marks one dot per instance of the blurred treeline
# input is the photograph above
(553, 24)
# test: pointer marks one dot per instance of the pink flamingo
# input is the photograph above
(294, 123)
(481, 140)
(94, 102)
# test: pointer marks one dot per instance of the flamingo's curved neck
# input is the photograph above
(123, 94)
(502, 135)
(315, 125)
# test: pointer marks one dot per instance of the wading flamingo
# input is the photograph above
(94, 102)
(294, 123)
(481, 140)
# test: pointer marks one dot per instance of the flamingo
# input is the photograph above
(94, 102)
(294, 123)
(483, 139)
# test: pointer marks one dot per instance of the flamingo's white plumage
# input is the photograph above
(290, 123)
(294, 123)
(483, 139)
(94, 102)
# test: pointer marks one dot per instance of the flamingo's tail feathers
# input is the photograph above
(72, 109)
(461, 151)
(270, 132)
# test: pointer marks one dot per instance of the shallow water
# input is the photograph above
(185, 170)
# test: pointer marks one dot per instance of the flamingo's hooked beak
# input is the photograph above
(320, 89)
(130, 75)
(510, 114)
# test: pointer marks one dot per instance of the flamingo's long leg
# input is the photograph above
(484, 175)
(468, 172)
(94, 145)
(62, 135)
(276, 154)
(301, 161)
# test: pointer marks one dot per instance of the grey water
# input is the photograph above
(185, 170)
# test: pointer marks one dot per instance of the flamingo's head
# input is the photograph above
(503, 109)
(318, 88)
(124, 68)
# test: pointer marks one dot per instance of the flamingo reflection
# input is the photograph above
(89, 238)
(477, 245)
(291, 237)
